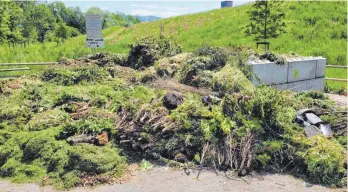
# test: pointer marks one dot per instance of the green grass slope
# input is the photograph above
(50, 51)
(314, 28)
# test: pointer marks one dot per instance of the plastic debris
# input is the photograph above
(314, 119)
(326, 130)
(312, 124)
(312, 130)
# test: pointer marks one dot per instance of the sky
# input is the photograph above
(158, 8)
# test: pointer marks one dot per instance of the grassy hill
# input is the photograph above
(313, 28)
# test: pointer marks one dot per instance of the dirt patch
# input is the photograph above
(163, 179)
(170, 85)
(340, 100)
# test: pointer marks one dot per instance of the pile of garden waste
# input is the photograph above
(87, 118)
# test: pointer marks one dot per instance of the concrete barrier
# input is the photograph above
(298, 86)
(296, 75)
(301, 70)
(269, 73)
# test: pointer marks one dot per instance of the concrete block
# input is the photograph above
(281, 86)
(302, 70)
(299, 75)
(306, 85)
(269, 73)
(321, 67)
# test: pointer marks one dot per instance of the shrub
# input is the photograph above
(195, 72)
(29, 157)
(92, 159)
(242, 128)
(325, 160)
(169, 67)
(46, 119)
(89, 125)
(229, 80)
(109, 59)
(218, 56)
(21, 173)
(72, 77)
(147, 51)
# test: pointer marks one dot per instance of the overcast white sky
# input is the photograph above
(158, 8)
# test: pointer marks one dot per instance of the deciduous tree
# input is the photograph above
(266, 20)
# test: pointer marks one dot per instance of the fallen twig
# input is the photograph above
(280, 184)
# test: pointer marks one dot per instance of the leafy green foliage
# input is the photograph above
(31, 144)
(78, 75)
(218, 56)
(46, 119)
(230, 79)
(325, 160)
(266, 20)
(207, 28)
(92, 159)
(242, 127)
(89, 125)
(22, 22)
(146, 51)
(190, 108)
(145, 165)
(198, 70)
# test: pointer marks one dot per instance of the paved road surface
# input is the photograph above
(340, 100)
(164, 180)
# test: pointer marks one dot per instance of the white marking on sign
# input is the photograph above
(93, 25)
(95, 42)
(94, 32)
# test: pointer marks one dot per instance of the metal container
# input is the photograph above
(226, 4)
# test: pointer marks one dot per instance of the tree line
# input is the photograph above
(23, 22)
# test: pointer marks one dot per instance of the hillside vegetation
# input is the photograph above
(313, 28)
(26, 22)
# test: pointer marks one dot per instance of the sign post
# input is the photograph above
(94, 35)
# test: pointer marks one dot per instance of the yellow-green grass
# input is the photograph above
(50, 52)
(313, 28)
(338, 74)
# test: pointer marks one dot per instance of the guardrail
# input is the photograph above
(10, 76)
(21, 69)
(17, 64)
(15, 69)
(337, 66)
(334, 79)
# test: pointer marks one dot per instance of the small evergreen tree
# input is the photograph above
(266, 20)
